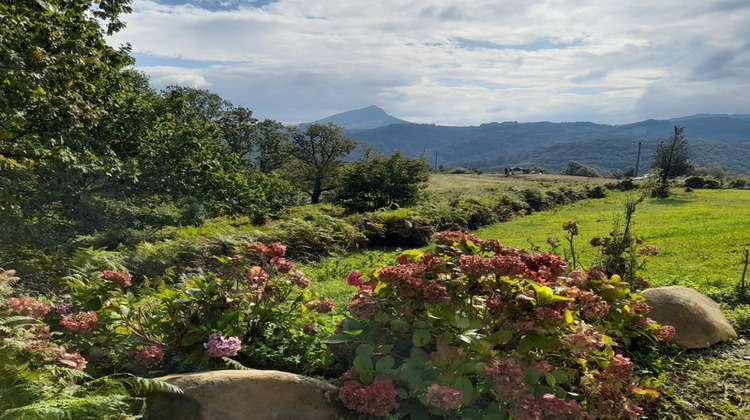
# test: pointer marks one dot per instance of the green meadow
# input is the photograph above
(701, 234)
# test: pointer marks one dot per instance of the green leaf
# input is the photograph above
(385, 363)
(420, 338)
(363, 364)
(365, 349)
(338, 339)
(530, 376)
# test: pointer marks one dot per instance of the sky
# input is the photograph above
(452, 62)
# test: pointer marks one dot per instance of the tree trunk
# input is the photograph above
(317, 190)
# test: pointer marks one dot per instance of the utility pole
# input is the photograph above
(638, 159)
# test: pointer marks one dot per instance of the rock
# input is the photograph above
(245, 395)
(697, 319)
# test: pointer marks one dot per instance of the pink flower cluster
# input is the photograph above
(74, 361)
(276, 249)
(123, 278)
(508, 378)
(592, 305)
(321, 306)
(571, 226)
(299, 278)
(648, 250)
(376, 399)
(362, 305)
(444, 397)
(282, 264)
(665, 333)
(585, 339)
(620, 369)
(80, 321)
(149, 357)
(547, 406)
(27, 306)
(218, 346)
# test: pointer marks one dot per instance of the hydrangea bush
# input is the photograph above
(256, 308)
(474, 329)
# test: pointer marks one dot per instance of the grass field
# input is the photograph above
(463, 181)
(701, 234)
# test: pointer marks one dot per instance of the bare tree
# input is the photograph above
(670, 160)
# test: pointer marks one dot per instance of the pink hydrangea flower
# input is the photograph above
(354, 278)
(123, 278)
(149, 357)
(80, 321)
(27, 306)
(218, 346)
(300, 279)
(376, 399)
(321, 306)
(362, 305)
(665, 333)
(74, 361)
(444, 397)
(282, 264)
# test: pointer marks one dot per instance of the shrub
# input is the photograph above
(317, 235)
(380, 181)
(579, 169)
(253, 305)
(42, 377)
(477, 330)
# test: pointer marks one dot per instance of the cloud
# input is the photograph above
(456, 62)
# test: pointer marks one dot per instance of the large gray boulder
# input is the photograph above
(245, 395)
(697, 319)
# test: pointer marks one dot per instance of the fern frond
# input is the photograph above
(134, 385)
(234, 365)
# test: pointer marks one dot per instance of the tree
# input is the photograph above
(579, 169)
(670, 160)
(317, 156)
(379, 181)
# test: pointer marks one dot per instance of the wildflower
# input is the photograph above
(27, 306)
(74, 361)
(596, 241)
(123, 278)
(552, 240)
(376, 399)
(80, 321)
(149, 357)
(218, 346)
(321, 306)
(443, 396)
(354, 278)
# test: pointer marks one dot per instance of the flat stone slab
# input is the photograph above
(245, 395)
(697, 319)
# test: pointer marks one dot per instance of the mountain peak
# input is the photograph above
(363, 119)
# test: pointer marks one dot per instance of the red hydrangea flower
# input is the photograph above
(354, 278)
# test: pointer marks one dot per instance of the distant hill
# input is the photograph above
(715, 139)
(361, 119)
